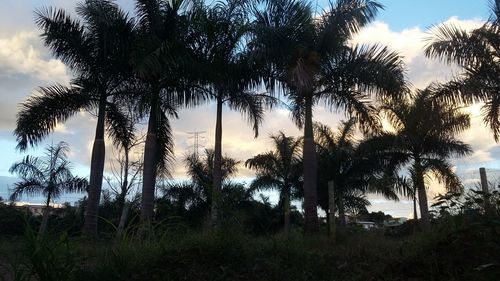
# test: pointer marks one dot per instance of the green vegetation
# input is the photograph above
(462, 246)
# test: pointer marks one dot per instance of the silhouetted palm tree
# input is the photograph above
(477, 53)
(424, 137)
(355, 167)
(197, 192)
(49, 176)
(280, 169)
(225, 73)
(310, 58)
(160, 61)
(96, 51)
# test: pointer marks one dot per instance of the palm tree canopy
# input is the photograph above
(201, 169)
(161, 55)
(49, 175)
(354, 166)
(280, 167)
(224, 69)
(425, 131)
(477, 53)
(313, 57)
(95, 50)
(198, 190)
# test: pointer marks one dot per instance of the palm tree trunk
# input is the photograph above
(310, 172)
(45, 217)
(150, 163)
(286, 209)
(331, 211)
(422, 194)
(414, 206)
(422, 201)
(217, 172)
(415, 219)
(96, 173)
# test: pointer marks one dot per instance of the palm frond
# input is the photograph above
(165, 144)
(66, 37)
(30, 167)
(40, 114)
(251, 105)
(443, 171)
(265, 182)
(120, 127)
(263, 163)
(30, 187)
(455, 45)
(75, 184)
(341, 20)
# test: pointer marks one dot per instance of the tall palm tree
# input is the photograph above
(225, 73)
(49, 176)
(160, 60)
(477, 52)
(424, 137)
(355, 167)
(310, 58)
(95, 50)
(279, 169)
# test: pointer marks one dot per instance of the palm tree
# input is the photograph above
(160, 62)
(198, 191)
(424, 137)
(49, 176)
(477, 53)
(355, 167)
(279, 169)
(225, 74)
(96, 51)
(310, 58)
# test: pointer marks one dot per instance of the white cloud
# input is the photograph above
(410, 43)
(22, 53)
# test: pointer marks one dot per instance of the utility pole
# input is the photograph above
(196, 141)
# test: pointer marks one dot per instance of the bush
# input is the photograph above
(14, 220)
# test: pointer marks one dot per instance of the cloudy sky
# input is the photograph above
(26, 64)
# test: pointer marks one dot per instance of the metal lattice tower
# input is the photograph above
(196, 136)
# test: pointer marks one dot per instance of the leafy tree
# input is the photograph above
(279, 169)
(477, 53)
(95, 50)
(310, 59)
(49, 176)
(424, 137)
(355, 167)
(226, 74)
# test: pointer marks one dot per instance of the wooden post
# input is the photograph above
(484, 188)
(331, 210)
(484, 180)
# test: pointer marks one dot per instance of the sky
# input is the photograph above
(403, 25)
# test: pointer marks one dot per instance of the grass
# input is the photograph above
(448, 251)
